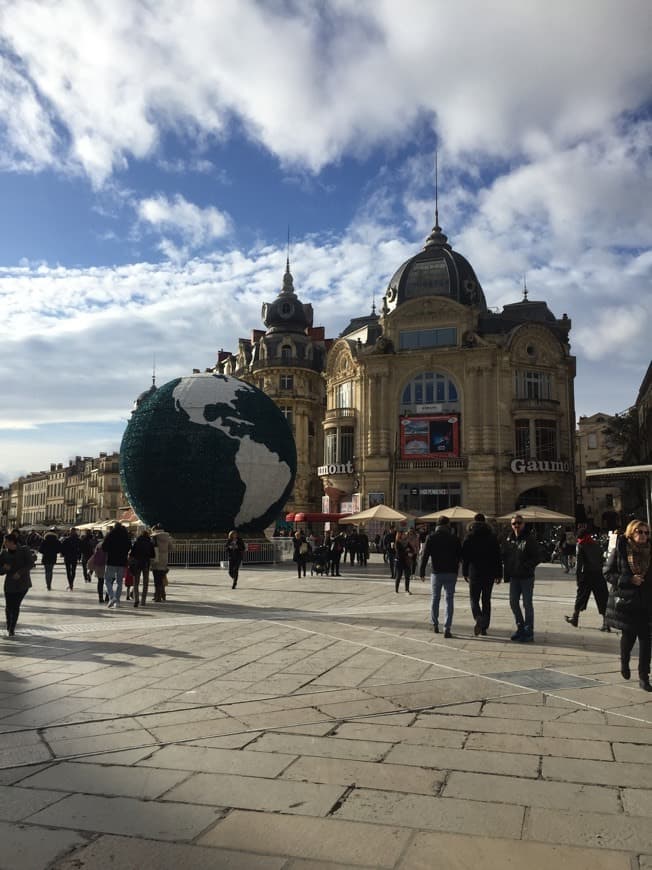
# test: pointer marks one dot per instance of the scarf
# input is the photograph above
(638, 557)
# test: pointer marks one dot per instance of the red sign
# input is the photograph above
(432, 437)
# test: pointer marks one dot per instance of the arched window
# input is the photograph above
(430, 388)
(286, 353)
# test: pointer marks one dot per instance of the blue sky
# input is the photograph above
(152, 157)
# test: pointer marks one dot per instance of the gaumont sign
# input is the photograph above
(522, 466)
(345, 468)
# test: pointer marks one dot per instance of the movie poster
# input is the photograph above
(434, 437)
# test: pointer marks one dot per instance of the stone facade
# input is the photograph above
(594, 449)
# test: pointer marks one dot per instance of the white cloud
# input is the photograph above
(312, 81)
(196, 226)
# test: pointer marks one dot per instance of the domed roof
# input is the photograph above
(287, 313)
(438, 270)
(145, 395)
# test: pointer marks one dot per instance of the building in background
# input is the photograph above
(602, 503)
(439, 401)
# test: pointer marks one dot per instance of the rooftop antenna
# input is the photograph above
(436, 189)
(153, 370)
(524, 288)
(373, 302)
(288, 254)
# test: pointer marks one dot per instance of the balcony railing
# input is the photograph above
(337, 413)
(407, 464)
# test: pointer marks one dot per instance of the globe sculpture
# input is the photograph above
(208, 453)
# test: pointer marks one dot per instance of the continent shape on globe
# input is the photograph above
(208, 453)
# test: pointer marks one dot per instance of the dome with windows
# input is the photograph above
(438, 270)
(287, 313)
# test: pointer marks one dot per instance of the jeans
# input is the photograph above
(401, 569)
(114, 573)
(49, 569)
(480, 591)
(522, 587)
(445, 581)
(71, 570)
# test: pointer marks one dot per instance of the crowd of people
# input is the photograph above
(621, 586)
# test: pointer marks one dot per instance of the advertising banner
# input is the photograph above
(430, 437)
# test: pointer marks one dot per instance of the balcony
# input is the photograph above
(338, 414)
(278, 363)
(535, 405)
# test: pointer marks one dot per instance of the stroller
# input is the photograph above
(320, 560)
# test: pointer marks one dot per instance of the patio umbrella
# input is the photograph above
(380, 512)
(536, 514)
(453, 513)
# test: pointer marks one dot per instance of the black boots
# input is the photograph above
(573, 620)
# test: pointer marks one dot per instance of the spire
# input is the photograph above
(436, 239)
(288, 281)
(524, 289)
(154, 370)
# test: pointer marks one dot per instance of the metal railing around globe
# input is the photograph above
(211, 553)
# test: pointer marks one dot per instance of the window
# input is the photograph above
(592, 440)
(286, 382)
(533, 385)
(286, 410)
(535, 439)
(286, 353)
(343, 395)
(429, 388)
(414, 339)
(339, 445)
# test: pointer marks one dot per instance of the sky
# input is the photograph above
(154, 155)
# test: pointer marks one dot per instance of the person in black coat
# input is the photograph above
(70, 549)
(444, 549)
(520, 553)
(141, 554)
(87, 548)
(588, 570)
(482, 566)
(16, 561)
(116, 545)
(235, 547)
(629, 607)
(49, 550)
(301, 552)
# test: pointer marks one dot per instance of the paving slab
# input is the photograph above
(127, 853)
(365, 774)
(148, 819)
(108, 780)
(464, 759)
(622, 832)
(28, 847)
(336, 747)
(333, 840)
(194, 758)
(459, 852)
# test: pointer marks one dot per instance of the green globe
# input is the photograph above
(208, 453)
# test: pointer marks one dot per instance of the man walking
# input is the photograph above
(520, 558)
(444, 549)
(482, 566)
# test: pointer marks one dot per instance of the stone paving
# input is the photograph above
(316, 724)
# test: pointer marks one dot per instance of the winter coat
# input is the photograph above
(49, 549)
(87, 546)
(16, 565)
(163, 546)
(628, 606)
(70, 548)
(142, 551)
(234, 550)
(444, 549)
(298, 556)
(116, 545)
(520, 556)
(589, 559)
(481, 556)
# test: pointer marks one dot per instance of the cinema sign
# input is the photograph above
(343, 468)
(522, 466)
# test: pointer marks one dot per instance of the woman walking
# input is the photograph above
(403, 556)
(235, 547)
(163, 544)
(16, 561)
(97, 563)
(588, 570)
(629, 608)
(301, 552)
(140, 557)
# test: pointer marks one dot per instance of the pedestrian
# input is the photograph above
(337, 548)
(160, 565)
(49, 550)
(443, 549)
(70, 549)
(97, 563)
(520, 553)
(235, 547)
(588, 571)
(87, 548)
(16, 562)
(567, 544)
(301, 552)
(116, 545)
(482, 566)
(629, 607)
(389, 540)
(363, 548)
(402, 561)
(140, 557)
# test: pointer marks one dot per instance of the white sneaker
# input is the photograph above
(116, 603)
(111, 603)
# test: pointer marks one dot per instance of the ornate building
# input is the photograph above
(439, 401)
(286, 361)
